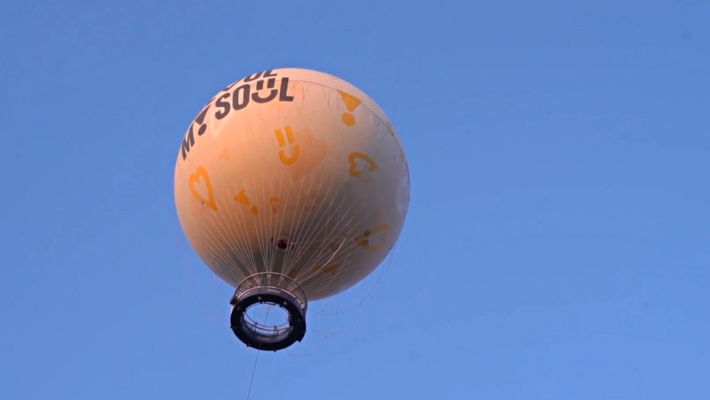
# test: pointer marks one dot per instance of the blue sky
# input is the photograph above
(557, 240)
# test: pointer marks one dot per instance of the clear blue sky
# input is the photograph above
(557, 245)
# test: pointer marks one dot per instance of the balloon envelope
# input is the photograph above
(295, 172)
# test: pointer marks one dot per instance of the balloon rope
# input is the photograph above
(251, 381)
(256, 359)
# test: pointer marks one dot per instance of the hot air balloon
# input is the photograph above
(291, 185)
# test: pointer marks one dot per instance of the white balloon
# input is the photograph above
(293, 172)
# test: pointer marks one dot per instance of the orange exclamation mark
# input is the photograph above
(244, 199)
(351, 103)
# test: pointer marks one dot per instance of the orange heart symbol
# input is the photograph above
(275, 204)
(365, 240)
(353, 157)
(200, 174)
